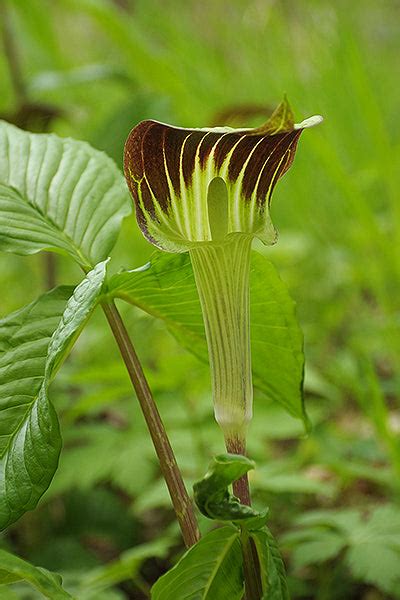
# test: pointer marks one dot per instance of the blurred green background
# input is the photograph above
(92, 69)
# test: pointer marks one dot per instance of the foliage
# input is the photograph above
(14, 569)
(34, 149)
(211, 569)
(212, 495)
(32, 438)
(58, 195)
(101, 67)
(166, 289)
(369, 544)
(214, 567)
(31, 456)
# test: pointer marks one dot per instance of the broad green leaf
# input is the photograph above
(24, 338)
(166, 289)
(14, 569)
(211, 493)
(58, 194)
(272, 569)
(210, 570)
(33, 343)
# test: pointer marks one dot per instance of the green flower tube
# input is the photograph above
(208, 192)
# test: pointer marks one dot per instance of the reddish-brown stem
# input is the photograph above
(241, 487)
(182, 504)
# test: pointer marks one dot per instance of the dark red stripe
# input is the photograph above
(173, 141)
(286, 146)
(207, 145)
(224, 146)
(153, 158)
(242, 151)
(189, 154)
(150, 141)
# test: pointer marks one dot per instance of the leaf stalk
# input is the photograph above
(181, 501)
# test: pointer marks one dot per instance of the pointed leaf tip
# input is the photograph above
(281, 120)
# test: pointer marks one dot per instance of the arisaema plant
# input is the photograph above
(202, 193)
(208, 192)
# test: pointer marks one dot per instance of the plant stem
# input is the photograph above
(241, 487)
(182, 504)
(222, 277)
(251, 568)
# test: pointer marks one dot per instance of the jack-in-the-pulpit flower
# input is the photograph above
(208, 191)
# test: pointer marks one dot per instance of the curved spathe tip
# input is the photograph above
(310, 122)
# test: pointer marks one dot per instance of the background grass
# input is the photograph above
(102, 66)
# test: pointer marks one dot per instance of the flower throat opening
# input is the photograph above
(217, 206)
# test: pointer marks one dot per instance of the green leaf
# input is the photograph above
(210, 570)
(272, 569)
(13, 569)
(125, 568)
(58, 194)
(280, 477)
(165, 288)
(32, 346)
(211, 493)
(374, 553)
(78, 310)
(325, 546)
(377, 564)
(371, 544)
(24, 338)
(97, 452)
